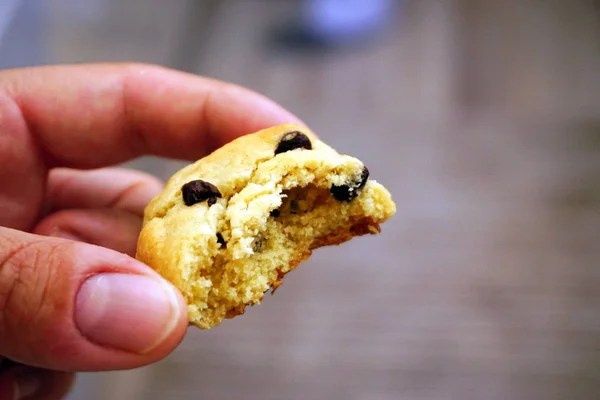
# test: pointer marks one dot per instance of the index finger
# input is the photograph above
(85, 116)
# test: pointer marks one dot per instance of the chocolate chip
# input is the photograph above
(351, 191)
(275, 213)
(220, 240)
(258, 243)
(199, 190)
(293, 140)
(294, 207)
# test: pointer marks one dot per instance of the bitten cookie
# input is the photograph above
(227, 228)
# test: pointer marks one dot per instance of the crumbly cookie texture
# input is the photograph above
(227, 228)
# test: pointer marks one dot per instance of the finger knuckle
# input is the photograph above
(139, 178)
(27, 271)
(139, 186)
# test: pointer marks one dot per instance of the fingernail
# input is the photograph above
(27, 384)
(131, 312)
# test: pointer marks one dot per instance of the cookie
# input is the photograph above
(227, 228)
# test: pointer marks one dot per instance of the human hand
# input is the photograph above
(72, 298)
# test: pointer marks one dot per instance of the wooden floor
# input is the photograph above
(483, 119)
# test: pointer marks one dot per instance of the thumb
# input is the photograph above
(77, 307)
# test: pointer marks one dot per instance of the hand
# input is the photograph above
(72, 298)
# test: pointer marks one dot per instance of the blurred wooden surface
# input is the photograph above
(483, 119)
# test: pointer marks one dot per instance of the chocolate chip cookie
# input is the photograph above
(227, 228)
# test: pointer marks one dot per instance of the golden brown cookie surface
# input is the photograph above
(228, 227)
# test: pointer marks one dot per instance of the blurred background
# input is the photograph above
(481, 117)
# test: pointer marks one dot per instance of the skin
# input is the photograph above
(65, 214)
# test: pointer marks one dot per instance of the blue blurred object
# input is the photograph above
(8, 8)
(21, 33)
(335, 20)
(330, 24)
